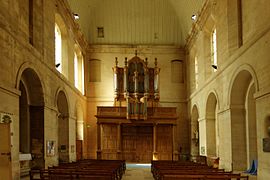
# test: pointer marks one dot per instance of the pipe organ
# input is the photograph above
(137, 85)
(136, 128)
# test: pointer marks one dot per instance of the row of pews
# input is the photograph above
(187, 170)
(82, 170)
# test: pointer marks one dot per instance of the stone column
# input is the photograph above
(156, 80)
(99, 141)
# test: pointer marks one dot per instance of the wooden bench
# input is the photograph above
(86, 169)
(204, 177)
(169, 170)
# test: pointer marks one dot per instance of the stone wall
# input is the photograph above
(101, 93)
(19, 54)
(242, 47)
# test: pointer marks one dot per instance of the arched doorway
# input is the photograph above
(211, 125)
(243, 121)
(31, 115)
(63, 127)
(194, 149)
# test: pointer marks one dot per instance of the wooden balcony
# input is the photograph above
(114, 114)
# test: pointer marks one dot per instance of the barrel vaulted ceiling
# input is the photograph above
(136, 22)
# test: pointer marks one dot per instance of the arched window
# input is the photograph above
(78, 70)
(196, 70)
(76, 74)
(82, 74)
(214, 49)
(58, 48)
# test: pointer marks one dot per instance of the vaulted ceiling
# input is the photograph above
(136, 22)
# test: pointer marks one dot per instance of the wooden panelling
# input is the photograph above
(109, 141)
(137, 143)
(164, 142)
(79, 145)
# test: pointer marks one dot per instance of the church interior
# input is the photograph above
(134, 80)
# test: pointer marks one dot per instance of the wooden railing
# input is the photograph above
(152, 112)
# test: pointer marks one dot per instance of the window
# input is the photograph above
(100, 32)
(82, 75)
(214, 50)
(58, 48)
(79, 71)
(196, 70)
(76, 74)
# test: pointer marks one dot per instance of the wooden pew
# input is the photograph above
(204, 177)
(169, 170)
(86, 169)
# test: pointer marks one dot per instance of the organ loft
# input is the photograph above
(136, 128)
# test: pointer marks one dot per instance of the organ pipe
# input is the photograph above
(156, 80)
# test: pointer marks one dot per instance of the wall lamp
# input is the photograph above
(57, 65)
(214, 66)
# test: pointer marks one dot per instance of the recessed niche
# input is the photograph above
(100, 32)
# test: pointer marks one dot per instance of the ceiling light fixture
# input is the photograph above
(194, 17)
(76, 16)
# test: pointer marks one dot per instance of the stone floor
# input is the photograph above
(138, 172)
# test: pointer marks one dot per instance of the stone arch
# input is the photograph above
(211, 124)
(61, 23)
(194, 148)
(251, 124)
(31, 114)
(22, 68)
(243, 117)
(63, 125)
(248, 69)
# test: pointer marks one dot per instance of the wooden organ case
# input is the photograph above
(136, 128)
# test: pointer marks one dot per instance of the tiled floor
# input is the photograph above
(138, 172)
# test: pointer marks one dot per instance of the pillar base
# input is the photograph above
(155, 156)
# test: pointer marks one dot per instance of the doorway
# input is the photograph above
(31, 116)
(137, 143)
(63, 127)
